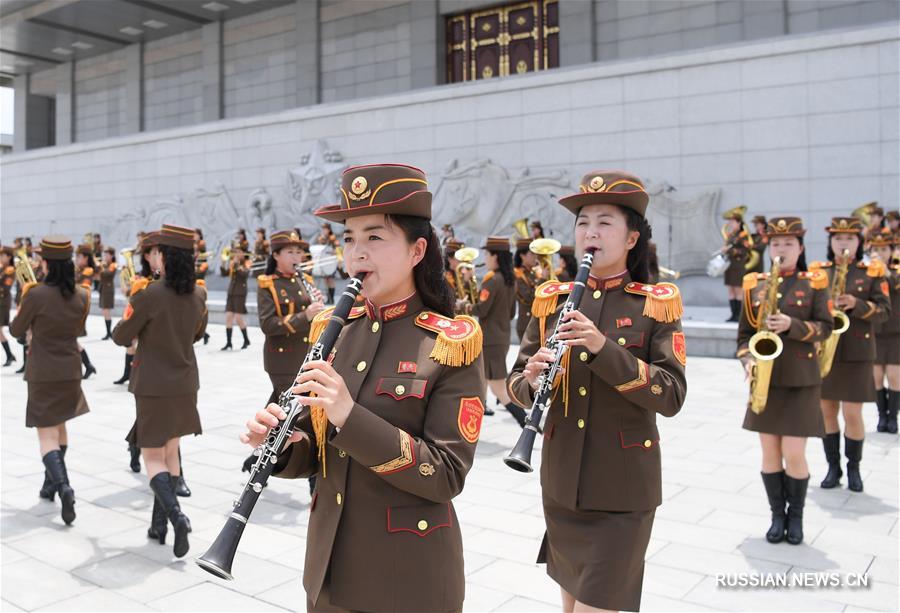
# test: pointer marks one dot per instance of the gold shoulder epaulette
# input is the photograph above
(27, 287)
(519, 273)
(875, 268)
(320, 321)
(488, 276)
(817, 278)
(9, 270)
(818, 264)
(309, 279)
(751, 280)
(459, 338)
(201, 283)
(87, 271)
(138, 285)
(545, 297)
(264, 281)
(663, 300)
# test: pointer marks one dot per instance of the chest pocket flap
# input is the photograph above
(399, 388)
(626, 338)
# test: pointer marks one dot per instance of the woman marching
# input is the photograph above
(107, 288)
(495, 309)
(167, 318)
(737, 248)
(887, 338)
(390, 463)
(237, 271)
(7, 279)
(600, 467)
(785, 408)
(84, 276)
(862, 295)
(54, 311)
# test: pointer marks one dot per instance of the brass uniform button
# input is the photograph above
(423, 316)
(583, 356)
(361, 366)
(597, 294)
(778, 295)
(342, 454)
(399, 390)
(867, 335)
(582, 391)
(656, 389)
(422, 525)
(305, 339)
(375, 326)
(809, 355)
(280, 349)
(648, 443)
(799, 303)
(426, 469)
(581, 424)
(621, 341)
(339, 498)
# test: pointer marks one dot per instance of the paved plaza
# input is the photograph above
(712, 519)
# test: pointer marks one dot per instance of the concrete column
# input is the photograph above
(427, 59)
(65, 103)
(21, 85)
(309, 53)
(577, 33)
(134, 88)
(213, 75)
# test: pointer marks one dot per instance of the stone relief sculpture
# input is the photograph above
(683, 229)
(314, 183)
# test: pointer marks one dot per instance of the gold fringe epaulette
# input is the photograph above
(751, 280)
(138, 285)
(875, 268)
(87, 271)
(818, 279)
(519, 273)
(201, 283)
(663, 300)
(819, 264)
(320, 321)
(264, 281)
(459, 338)
(546, 297)
(27, 287)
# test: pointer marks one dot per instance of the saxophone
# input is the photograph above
(765, 345)
(841, 321)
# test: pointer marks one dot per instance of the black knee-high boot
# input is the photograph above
(126, 375)
(10, 358)
(832, 445)
(135, 462)
(517, 412)
(893, 405)
(55, 466)
(181, 488)
(164, 489)
(796, 499)
(159, 524)
(735, 306)
(881, 401)
(227, 339)
(24, 359)
(246, 338)
(108, 323)
(853, 453)
(774, 484)
(330, 295)
(88, 367)
(48, 490)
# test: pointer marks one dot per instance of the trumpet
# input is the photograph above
(545, 248)
(24, 271)
(466, 290)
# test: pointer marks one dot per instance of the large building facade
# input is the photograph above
(246, 111)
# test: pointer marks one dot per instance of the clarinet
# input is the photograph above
(218, 559)
(311, 289)
(520, 457)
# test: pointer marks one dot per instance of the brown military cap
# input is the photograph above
(496, 243)
(785, 226)
(7, 250)
(452, 246)
(149, 240)
(567, 250)
(892, 215)
(56, 248)
(176, 236)
(522, 243)
(391, 189)
(609, 187)
(84, 249)
(845, 225)
(883, 238)
(285, 238)
(760, 219)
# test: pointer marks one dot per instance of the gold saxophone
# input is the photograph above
(765, 345)
(841, 321)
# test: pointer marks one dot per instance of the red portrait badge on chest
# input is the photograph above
(471, 412)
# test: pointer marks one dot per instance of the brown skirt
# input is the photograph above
(107, 298)
(4, 313)
(236, 304)
(850, 381)
(54, 402)
(161, 418)
(790, 411)
(495, 361)
(597, 556)
(734, 274)
(887, 349)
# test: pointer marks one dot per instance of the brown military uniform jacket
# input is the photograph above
(382, 522)
(760, 242)
(7, 279)
(525, 284)
(803, 297)
(237, 285)
(107, 284)
(602, 451)
(55, 323)
(84, 276)
(873, 305)
(281, 304)
(495, 309)
(891, 326)
(166, 325)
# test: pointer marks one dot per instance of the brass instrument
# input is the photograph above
(204, 255)
(24, 271)
(765, 345)
(753, 260)
(668, 273)
(310, 264)
(864, 212)
(545, 248)
(841, 320)
(466, 290)
(126, 276)
(226, 253)
(521, 226)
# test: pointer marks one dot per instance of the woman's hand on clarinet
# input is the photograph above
(331, 393)
(314, 309)
(537, 364)
(577, 329)
(264, 420)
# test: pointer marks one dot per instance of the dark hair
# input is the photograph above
(570, 265)
(505, 266)
(638, 261)
(146, 271)
(199, 233)
(859, 250)
(180, 275)
(429, 273)
(517, 259)
(90, 258)
(61, 274)
(271, 264)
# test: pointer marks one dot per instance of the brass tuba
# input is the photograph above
(24, 271)
(841, 321)
(765, 345)
(545, 248)
(126, 276)
(521, 226)
(466, 291)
